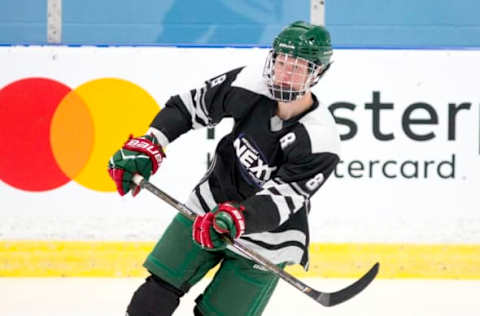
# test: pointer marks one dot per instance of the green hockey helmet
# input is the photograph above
(301, 39)
(298, 45)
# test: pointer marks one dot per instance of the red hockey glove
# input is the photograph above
(226, 218)
(142, 155)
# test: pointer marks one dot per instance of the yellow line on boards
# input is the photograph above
(125, 259)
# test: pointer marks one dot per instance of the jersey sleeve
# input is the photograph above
(308, 165)
(197, 108)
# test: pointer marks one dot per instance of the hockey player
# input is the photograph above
(282, 148)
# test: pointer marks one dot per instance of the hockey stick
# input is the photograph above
(324, 298)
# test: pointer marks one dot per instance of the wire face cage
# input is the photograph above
(289, 77)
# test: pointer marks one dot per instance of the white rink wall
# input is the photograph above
(390, 187)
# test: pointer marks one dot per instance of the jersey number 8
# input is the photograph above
(315, 182)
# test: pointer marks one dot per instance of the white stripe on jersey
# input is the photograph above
(162, 139)
(200, 104)
(251, 78)
(280, 237)
(194, 108)
(293, 254)
(294, 186)
(299, 189)
(282, 206)
(200, 98)
(207, 195)
(285, 191)
(321, 128)
(194, 204)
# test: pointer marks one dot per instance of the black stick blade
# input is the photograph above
(334, 298)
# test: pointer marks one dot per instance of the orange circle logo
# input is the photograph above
(53, 134)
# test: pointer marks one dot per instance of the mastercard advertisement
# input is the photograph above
(54, 134)
(64, 111)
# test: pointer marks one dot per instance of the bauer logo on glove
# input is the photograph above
(142, 155)
(144, 145)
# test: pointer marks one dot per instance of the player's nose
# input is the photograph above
(286, 73)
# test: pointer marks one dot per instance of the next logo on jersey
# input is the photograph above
(255, 167)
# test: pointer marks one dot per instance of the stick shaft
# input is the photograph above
(324, 298)
(138, 180)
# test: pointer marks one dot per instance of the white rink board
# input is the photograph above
(365, 209)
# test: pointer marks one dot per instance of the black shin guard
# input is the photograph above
(155, 297)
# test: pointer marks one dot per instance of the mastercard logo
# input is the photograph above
(52, 134)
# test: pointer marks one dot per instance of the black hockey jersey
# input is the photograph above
(271, 166)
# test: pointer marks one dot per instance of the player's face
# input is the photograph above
(290, 72)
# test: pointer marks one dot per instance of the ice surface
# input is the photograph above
(109, 297)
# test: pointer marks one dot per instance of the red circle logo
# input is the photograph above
(52, 134)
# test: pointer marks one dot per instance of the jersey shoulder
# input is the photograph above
(320, 128)
(225, 79)
(250, 78)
